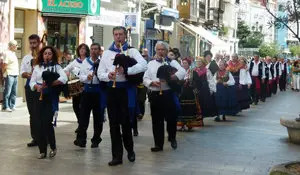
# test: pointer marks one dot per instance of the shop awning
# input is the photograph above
(199, 31)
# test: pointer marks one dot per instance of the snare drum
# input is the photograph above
(75, 87)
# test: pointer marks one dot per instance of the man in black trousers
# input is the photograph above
(121, 95)
(26, 71)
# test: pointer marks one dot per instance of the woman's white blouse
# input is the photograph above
(231, 80)
(37, 75)
(74, 67)
(245, 77)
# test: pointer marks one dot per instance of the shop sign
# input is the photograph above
(131, 21)
(170, 12)
(107, 17)
(81, 7)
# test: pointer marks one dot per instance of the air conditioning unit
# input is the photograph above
(163, 22)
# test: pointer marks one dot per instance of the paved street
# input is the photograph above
(249, 144)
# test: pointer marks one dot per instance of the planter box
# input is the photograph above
(293, 128)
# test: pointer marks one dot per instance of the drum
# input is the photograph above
(75, 87)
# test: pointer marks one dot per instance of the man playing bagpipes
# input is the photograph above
(160, 78)
(93, 99)
(26, 72)
(118, 66)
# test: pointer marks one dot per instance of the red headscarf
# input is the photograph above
(188, 60)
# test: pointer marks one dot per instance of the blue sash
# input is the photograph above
(54, 97)
(132, 95)
(79, 60)
(27, 82)
(91, 88)
(114, 48)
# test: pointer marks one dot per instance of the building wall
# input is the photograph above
(282, 34)
(255, 15)
(4, 25)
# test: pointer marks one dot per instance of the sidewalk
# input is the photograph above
(249, 144)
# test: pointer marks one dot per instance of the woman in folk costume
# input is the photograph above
(226, 94)
(190, 108)
(47, 75)
(234, 66)
(296, 75)
(245, 81)
(205, 86)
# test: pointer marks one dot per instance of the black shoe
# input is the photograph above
(42, 156)
(217, 119)
(135, 133)
(174, 144)
(78, 143)
(115, 162)
(32, 144)
(224, 118)
(131, 156)
(140, 117)
(77, 130)
(52, 153)
(95, 145)
(156, 149)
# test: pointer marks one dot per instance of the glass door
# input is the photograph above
(63, 35)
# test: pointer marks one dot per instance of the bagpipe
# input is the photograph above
(164, 73)
(48, 78)
(125, 61)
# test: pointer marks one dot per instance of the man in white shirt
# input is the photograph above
(91, 100)
(10, 71)
(121, 95)
(163, 101)
(26, 72)
(257, 72)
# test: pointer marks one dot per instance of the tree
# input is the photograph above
(248, 38)
(295, 50)
(292, 9)
(268, 50)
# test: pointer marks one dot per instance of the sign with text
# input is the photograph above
(80, 7)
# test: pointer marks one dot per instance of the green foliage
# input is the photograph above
(295, 50)
(223, 31)
(269, 50)
(248, 38)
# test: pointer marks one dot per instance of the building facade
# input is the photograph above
(255, 15)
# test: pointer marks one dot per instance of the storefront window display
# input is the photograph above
(187, 45)
(63, 34)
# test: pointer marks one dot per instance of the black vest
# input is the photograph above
(277, 69)
(267, 73)
(272, 70)
(260, 68)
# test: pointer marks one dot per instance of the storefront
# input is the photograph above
(194, 40)
(23, 22)
(159, 27)
(64, 22)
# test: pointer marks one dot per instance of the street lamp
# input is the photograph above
(184, 2)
